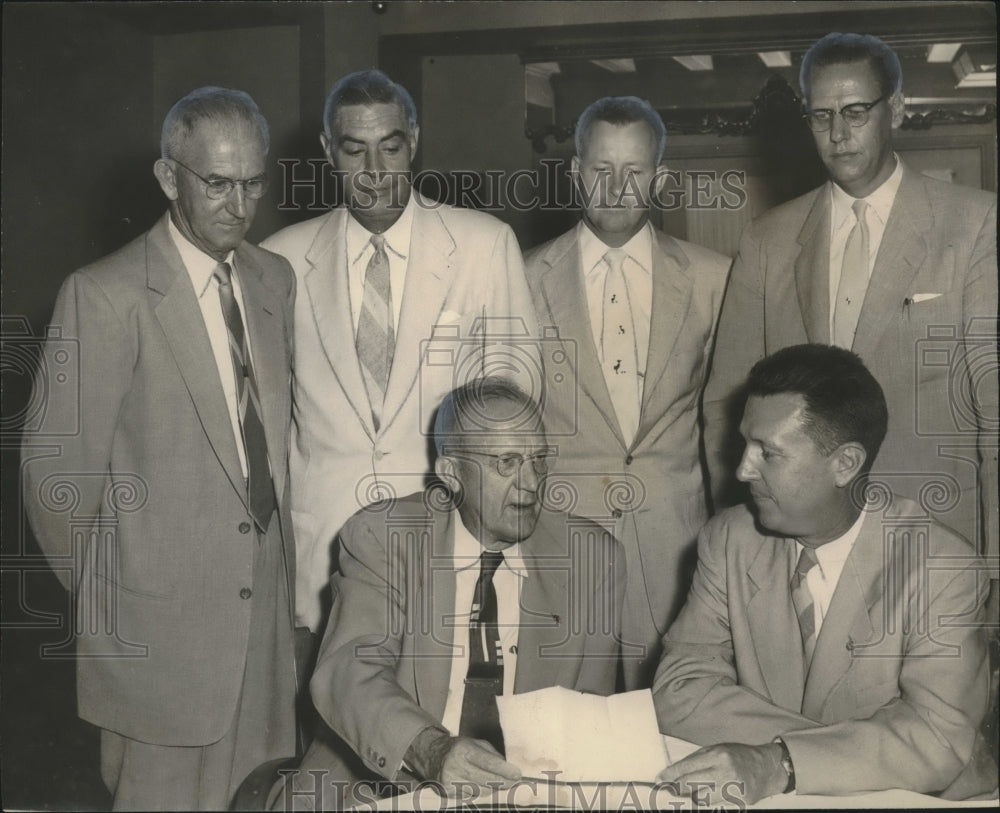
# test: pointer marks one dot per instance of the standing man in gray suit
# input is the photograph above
(167, 515)
(896, 266)
(635, 309)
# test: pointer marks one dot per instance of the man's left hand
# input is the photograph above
(729, 773)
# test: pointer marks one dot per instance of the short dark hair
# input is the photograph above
(844, 402)
(210, 103)
(621, 110)
(837, 49)
(367, 88)
(462, 417)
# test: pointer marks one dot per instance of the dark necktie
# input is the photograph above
(803, 600)
(376, 340)
(484, 680)
(260, 489)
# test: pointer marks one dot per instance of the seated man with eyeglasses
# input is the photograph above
(449, 597)
(898, 267)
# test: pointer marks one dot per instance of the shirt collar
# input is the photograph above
(200, 266)
(468, 549)
(836, 551)
(593, 249)
(397, 236)
(880, 201)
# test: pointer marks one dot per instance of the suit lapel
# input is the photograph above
(773, 623)
(812, 269)
(184, 327)
(433, 653)
(267, 345)
(326, 286)
(430, 267)
(847, 620)
(566, 301)
(671, 298)
(899, 258)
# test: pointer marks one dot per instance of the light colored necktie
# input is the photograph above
(802, 599)
(618, 352)
(853, 280)
(376, 339)
(260, 489)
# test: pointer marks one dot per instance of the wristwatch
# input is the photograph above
(786, 763)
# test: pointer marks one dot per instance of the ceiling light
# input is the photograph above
(696, 63)
(942, 51)
(776, 59)
(626, 65)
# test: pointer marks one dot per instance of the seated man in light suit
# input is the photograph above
(378, 277)
(636, 310)
(410, 666)
(833, 638)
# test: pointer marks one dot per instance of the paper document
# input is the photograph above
(585, 737)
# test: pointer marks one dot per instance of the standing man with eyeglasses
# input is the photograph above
(450, 597)
(167, 514)
(889, 263)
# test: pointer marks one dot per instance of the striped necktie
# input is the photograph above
(484, 679)
(260, 489)
(803, 601)
(376, 340)
(853, 280)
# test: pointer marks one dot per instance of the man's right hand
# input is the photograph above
(459, 763)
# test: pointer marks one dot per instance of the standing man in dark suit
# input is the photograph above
(635, 309)
(167, 514)
(896, 266)
(426, 632)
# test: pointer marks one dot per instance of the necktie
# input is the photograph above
(803, 601)
(853, 280)
(260, 489)
(484, 680)
(376, 339)
(618, 352)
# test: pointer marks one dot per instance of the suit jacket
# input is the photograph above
(898, 681)
(927, 332)
(651, 492)
(385, 660)
(462, 265)
(134, 488)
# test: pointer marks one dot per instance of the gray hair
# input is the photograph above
(621, 110)
(222, 106)
(367, 88)
(461, 416)
(839, 49)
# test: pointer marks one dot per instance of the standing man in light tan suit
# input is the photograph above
(398, 294)
(909, 284)
(625, 416)
(167, 514)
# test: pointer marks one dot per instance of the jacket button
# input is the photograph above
(245, 593)
(381, 762)
(628, 460)
(244, 527)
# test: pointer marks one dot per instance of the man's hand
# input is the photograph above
(747, 772)
(459, 763)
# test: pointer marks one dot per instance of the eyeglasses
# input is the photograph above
(856, 115)
(510, 462)
(219, 188)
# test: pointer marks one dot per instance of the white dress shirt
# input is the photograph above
(822, 580)
(201, 269)
(360, 251)
(842, 221)
(508, 582)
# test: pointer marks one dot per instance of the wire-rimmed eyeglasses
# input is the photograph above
(219, 188)
(510, 462)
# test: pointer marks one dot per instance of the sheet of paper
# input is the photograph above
(583, 737)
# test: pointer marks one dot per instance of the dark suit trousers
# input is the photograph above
(147, 776)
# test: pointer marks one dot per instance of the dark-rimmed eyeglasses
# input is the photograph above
(510, 462)
(219, 188)
(856, 115)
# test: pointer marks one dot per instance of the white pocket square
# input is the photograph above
(917, 298)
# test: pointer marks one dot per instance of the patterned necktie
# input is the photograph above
(484, 680)
(260, 489)
(853, 280)
(376, 339)
(803, 601)
(618, 353)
